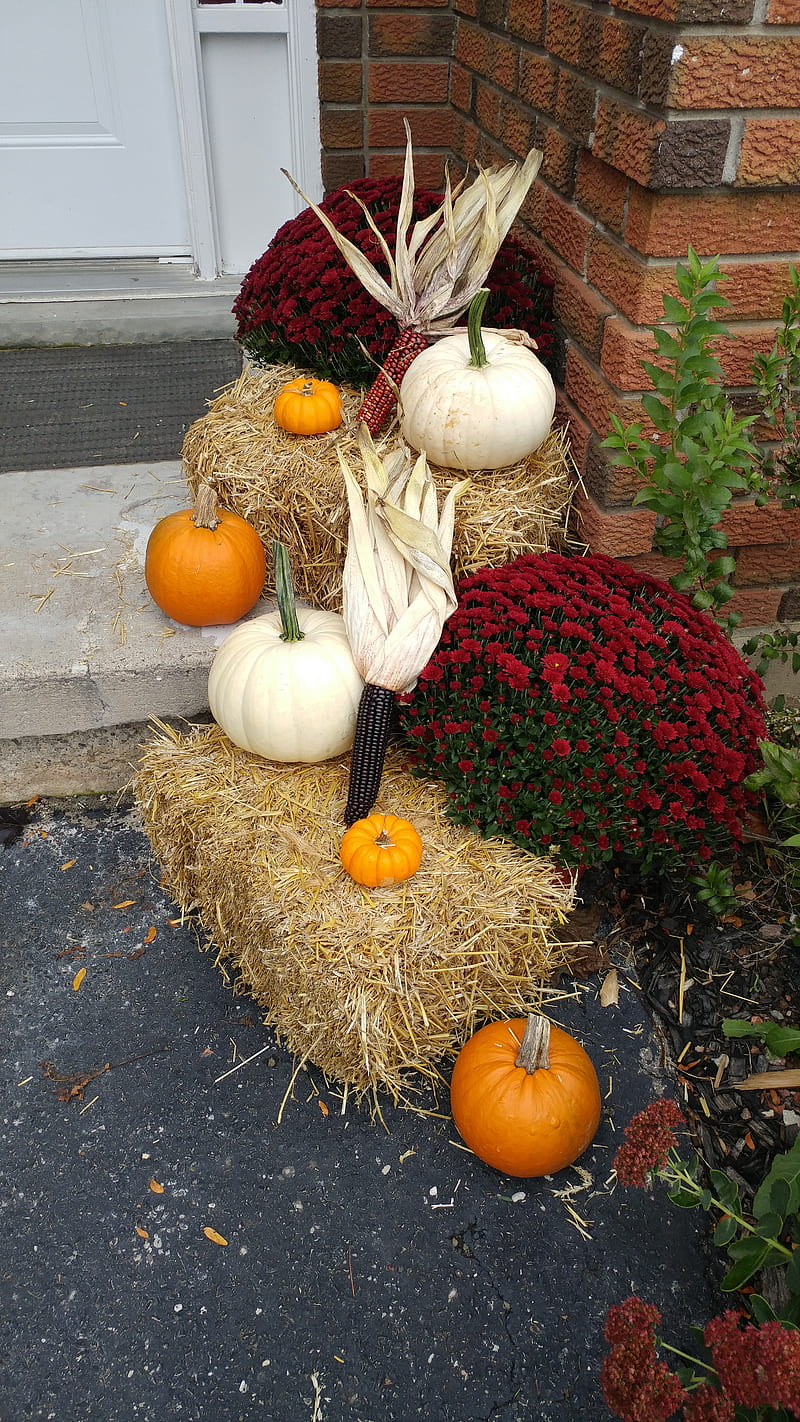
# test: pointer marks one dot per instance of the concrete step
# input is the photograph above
(86, 658)
(122, 302)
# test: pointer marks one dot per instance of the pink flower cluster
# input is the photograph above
(301, 304)
(636, 1386)
(755, 1366)
(649, 1137)
(574, 702)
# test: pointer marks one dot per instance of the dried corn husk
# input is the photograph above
(397, 588)
(442, 261)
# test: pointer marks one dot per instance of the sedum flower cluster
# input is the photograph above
(753, 1366)
(300, 304)
(574, 703)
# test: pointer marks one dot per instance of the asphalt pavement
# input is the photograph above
(193, 1230)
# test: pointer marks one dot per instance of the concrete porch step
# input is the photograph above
(94, 302)
(86, 658)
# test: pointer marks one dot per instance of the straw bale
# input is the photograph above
(371, 985)
(291, 487)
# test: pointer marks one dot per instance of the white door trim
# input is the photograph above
(186, 21)
(304, 100)
(188, 74)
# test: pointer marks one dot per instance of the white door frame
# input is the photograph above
(186, 22)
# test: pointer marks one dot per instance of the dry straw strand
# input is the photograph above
(370, 985)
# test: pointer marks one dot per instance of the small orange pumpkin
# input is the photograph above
(381, 850)
(205, 566)
(525, 1096)
(308, 407)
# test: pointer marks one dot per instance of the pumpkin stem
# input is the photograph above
(307, 388)
(534, 1054)
(204, 509)
(284, 591)
(477, 350)
(384, 839)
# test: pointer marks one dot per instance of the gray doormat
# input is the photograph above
(72, 406)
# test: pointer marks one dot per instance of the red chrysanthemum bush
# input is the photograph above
(300, 303)
(574, 702)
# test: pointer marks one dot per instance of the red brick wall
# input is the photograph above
(662, 122)
(381, 61)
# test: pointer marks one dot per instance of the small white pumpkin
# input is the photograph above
(475, 401)
(285, 685)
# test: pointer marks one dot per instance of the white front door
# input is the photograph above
(90, 156)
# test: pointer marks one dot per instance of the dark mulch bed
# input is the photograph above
(694, 970)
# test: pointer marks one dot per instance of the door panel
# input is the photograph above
(90, 160)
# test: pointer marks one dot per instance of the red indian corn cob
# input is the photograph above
(380, 399)
(369, 749)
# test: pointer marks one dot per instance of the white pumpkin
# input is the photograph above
(288, 698)
(476, 400)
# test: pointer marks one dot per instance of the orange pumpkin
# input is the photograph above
(308, 407)
(525, 1097)
(205, 566)
(381, 850)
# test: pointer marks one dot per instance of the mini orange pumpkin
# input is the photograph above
(525, 1096)
(308, 407)
(205, 566)
(381, 850)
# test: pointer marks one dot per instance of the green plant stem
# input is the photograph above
(676, 1172)
(688, 1356)
(284, 591)
(477, 350)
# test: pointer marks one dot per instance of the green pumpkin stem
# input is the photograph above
(534, 1054)
(284, 591)
(477, 350)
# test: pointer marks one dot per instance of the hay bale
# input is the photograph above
(291, 488)
(370, 985)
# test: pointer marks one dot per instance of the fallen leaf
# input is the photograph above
(71, 1084)
(213, 1236)
(142, 1233)
(767, 1080)
(323, 1108)
(609, 989)
(68, 864)
(156, 1188)
(150, 934)
(78, 978)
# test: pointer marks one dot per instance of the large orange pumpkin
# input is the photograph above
(205, 566)
(525, 1096)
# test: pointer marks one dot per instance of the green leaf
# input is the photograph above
(792, 1275)
(784, 1167)
(779, 1196)
(726, 1190)
(674, 310)
(779, 1040)
(770, 1224)
(749, 1254)
(657, 412)
(684, 1198)
(762, 1311)
(725, 1231)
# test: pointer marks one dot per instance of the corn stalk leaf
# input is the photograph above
(442, 260)
(397, 583)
